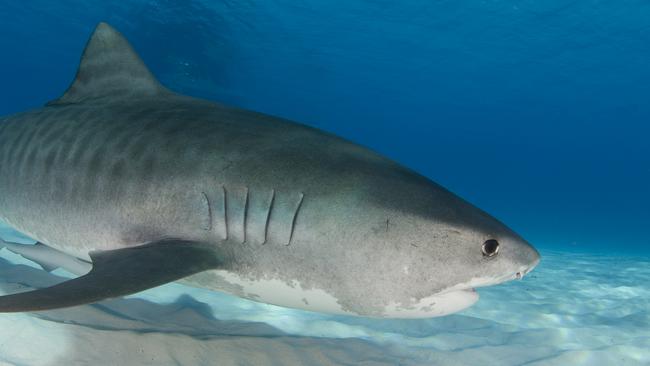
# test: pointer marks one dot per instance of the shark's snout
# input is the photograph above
(533, 257)
(528, 259)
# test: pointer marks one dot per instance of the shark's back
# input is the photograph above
(119, 160)
(125, 160)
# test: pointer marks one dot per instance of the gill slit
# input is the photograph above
(245, 214)
(225, 210)
(295, 216)
(268, 216)
(207, 201)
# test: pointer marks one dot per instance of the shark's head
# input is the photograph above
(413, 248)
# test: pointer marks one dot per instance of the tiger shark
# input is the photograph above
(130, 186)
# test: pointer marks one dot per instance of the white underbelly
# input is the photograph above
(293, 295)
(270, 291)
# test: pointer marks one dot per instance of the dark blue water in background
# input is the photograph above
(536, 111)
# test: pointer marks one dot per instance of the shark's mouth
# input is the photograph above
(451, 299)
(477, 282)
(461, 296)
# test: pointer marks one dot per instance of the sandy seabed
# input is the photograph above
(574, 309)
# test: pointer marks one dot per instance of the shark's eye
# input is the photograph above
(490, 248)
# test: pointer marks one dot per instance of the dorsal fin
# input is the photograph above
(110, 68)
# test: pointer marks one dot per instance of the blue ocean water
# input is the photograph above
(535, 111)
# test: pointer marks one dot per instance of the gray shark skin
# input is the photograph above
(287, 214)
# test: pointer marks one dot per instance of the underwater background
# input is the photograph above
(535, 111)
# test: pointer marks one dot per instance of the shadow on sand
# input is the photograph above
(185, 332)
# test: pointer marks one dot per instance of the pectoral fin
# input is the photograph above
(120, 272)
